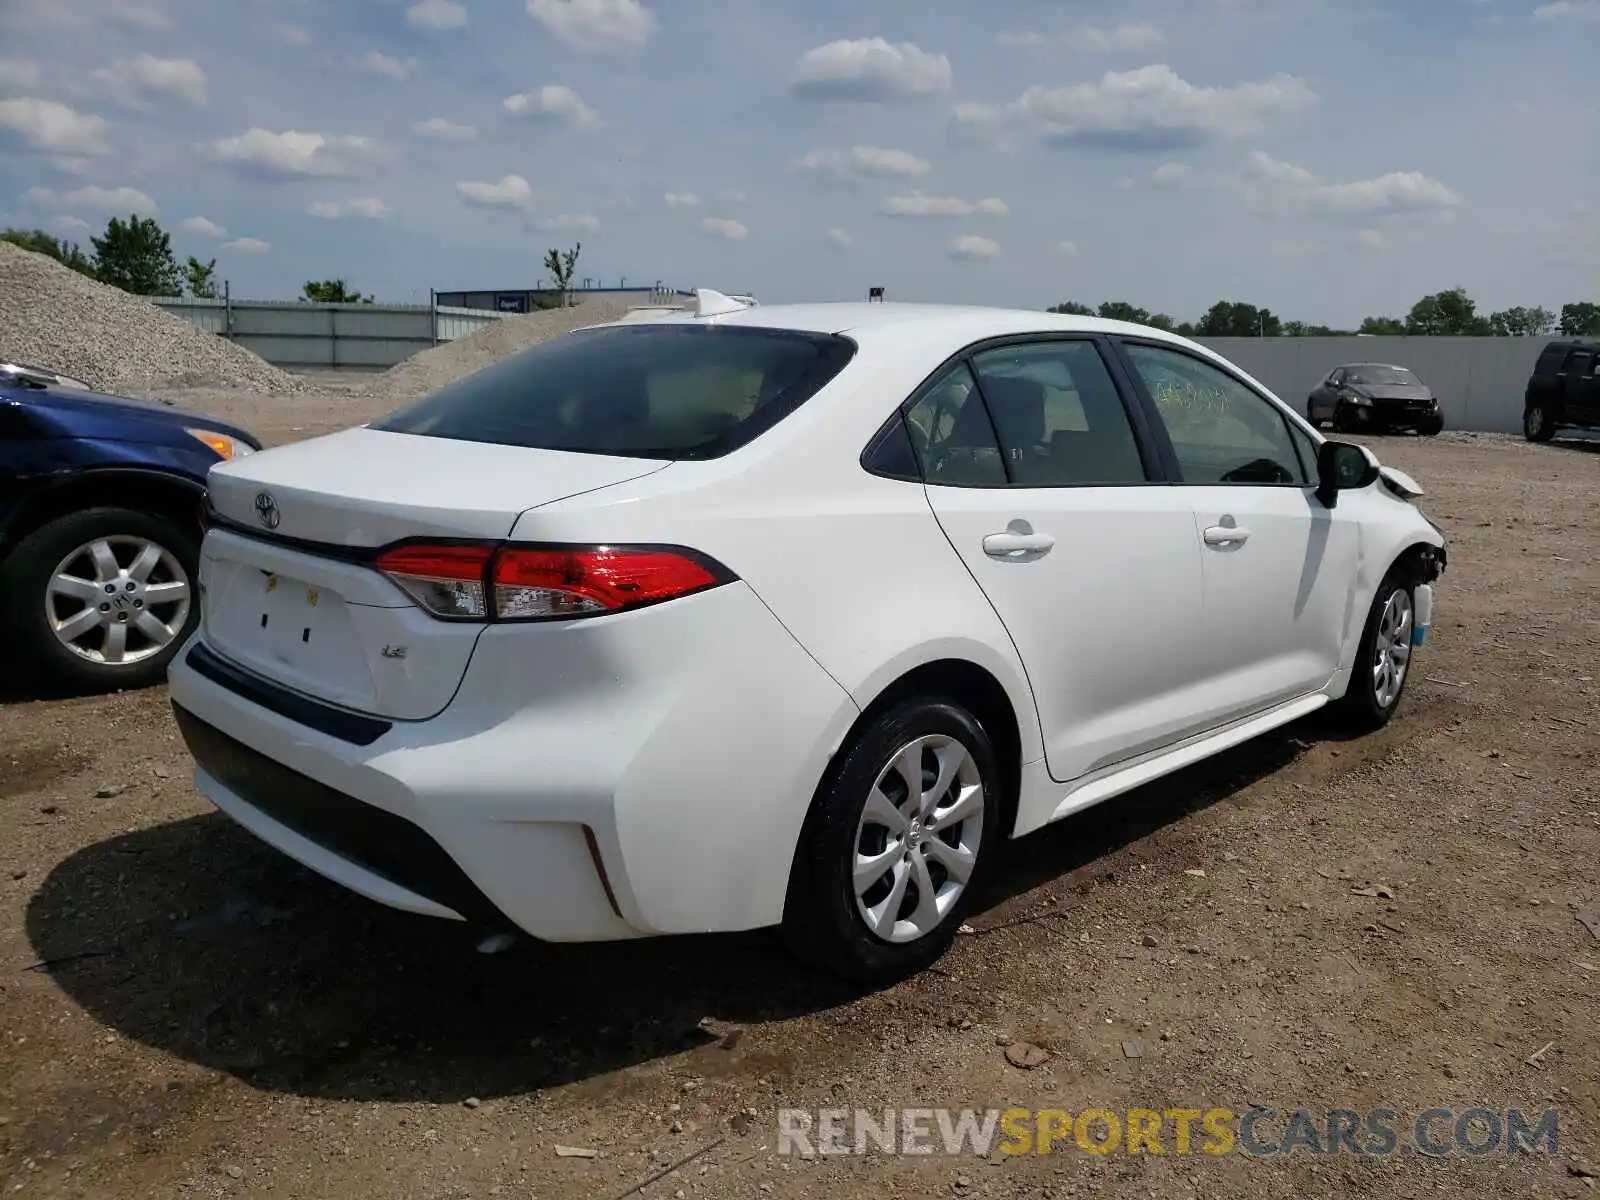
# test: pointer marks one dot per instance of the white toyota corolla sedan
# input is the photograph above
(753, 616)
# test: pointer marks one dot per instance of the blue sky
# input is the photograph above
(1330, 159)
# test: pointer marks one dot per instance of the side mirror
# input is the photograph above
(1342, 466)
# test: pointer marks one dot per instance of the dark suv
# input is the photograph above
(1564, 389)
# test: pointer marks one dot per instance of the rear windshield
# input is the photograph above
(645, 391)
(1383, 376)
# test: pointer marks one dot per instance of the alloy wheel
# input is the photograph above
(918, 838)
(1392, 648)
(117, 601)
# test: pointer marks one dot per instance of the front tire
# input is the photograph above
(899, 832)
(1537, 425)
(101, 599)
(1431, 427)
(1383, 659)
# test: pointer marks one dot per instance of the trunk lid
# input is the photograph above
(292, 595)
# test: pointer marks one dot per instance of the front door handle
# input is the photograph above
(1226, 535)
(1017, 545)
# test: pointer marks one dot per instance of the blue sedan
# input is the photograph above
(99, 529)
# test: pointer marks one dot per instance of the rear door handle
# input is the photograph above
(1017, 545)
(1226, 535)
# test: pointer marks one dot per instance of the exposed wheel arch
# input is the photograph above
(978, 691)
(160, 492)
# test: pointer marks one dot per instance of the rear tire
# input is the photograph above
(1376, 684)
(1537, 425)
(66, 587)
(856, 905)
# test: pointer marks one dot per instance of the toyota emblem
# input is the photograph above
(267, 510)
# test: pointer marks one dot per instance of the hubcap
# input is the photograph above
(117, 601)
(1535, 420)
(918, 838)
(1392, 654)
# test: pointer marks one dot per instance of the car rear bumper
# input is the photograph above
(638, 774)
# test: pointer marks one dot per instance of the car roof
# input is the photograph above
(1388, 366)
(972, 322)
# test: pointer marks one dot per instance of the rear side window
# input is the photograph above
(1579, 363)
(645, 391)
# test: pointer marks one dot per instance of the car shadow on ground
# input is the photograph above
(195, 939)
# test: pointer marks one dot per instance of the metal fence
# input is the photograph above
(1480, 381)
(297, 334)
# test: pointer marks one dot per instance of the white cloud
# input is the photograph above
(131, 82)
(553, 102)
(1068, 249)
(436, 14)
(53, 128)
(1285, 188)
(1132, 37)
(972, 248)
(367, 207)
(1151, 108)
(595, 25)
(19, 73)
(839, 239)
(570, 223)
(445, 131)
(681, 200)
(151, 15)
(1369, 239)
(871, 70)
(723, 227)
(68, 226)
(857, 162)
(202, 227)
(512, 191)
(1172, 175)
(918, 205)
(292, 153)
(94, 199)
(247, 245)
(1568, 10)
(375, 63)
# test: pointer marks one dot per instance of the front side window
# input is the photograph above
(1579, 363)
(1059, 418)
(1221, 431)
(952, 435)
(673, 391)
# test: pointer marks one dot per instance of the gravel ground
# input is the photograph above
(53, 317)
(422, 373)
(1389, 921)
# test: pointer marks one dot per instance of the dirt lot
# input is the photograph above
(188, 1014)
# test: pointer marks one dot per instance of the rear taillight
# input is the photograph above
(446, 581)
(538, 583)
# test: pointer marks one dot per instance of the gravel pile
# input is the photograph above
(435, 367)
(53, 317)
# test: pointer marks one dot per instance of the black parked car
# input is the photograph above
(1374, 397)
(99, 529)
(1564, 389)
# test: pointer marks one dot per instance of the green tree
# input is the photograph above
(68, 254)
(1522, 322)
(1161, 321)
(201, 278)
(1581, 319)
(1382, 326)
(136, 256)
(331, 291)
(1186, 329)
(1071, 308)
(1447, 314)
(1121, 310)
(562, 264)
(1232, 318)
